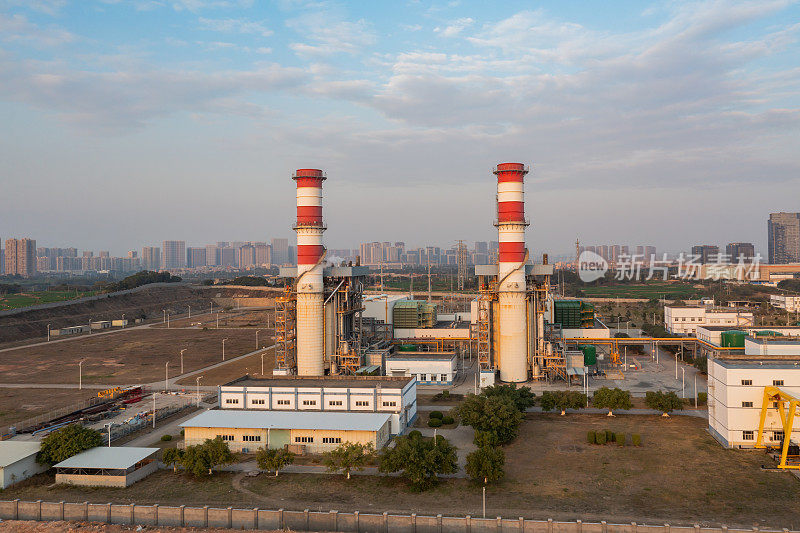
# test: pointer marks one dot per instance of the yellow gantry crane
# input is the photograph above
(786, 405)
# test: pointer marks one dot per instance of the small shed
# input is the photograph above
(18, 461)
(108, 467)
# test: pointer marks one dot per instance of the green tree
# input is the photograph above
(68, 441)
(273, 459)
(563, 400)
(172, 457)
(611, 399)
(486, 464)
(522, 396)
(420, 460)
(348, 457)
(665, 402)
(200, 459)
(497, 414)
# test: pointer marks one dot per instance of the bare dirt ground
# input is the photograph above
(129, 357)
(232, 318)
(233, 370)
(680, 475)
(24, 526)
(20, 404)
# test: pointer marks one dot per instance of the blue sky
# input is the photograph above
(130, 122)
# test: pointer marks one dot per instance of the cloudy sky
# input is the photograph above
(128, 122)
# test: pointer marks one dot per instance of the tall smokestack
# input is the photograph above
(309, 228)
(513, 342)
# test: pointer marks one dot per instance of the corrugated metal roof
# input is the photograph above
(324, 420)
(12, 451)
(117, 458)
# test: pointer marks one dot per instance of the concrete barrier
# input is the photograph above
(306, 520)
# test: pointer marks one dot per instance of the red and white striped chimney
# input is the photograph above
(512, 358)
(309, 229)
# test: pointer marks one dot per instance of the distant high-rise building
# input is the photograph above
(280, 251)
(649, 253)
(227, 256)
(132, 254)
(740, 250)
(247, 256)
(174, 254)
(151, 258)
(481, 247)
(292, 255)
(783, 238)
(20, 257)
(104, 253)
(2, 259)
(706, 253)
(263, 254)
(212, 255)
(195, 257)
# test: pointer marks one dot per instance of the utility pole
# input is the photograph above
(182, 359)
(80, 375)
(223, 349)
(48, 332)
(166, 376)
(198, 390)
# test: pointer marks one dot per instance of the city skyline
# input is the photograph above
(188, 118)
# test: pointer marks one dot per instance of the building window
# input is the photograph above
(748, 435)
(362, 403)
(443, 377)
(331, 440)
(309, 402)
(747, 404)
(390, 404)
(335, 402)
(747, 382)
(283, 402)
(304, 439)
(252, 438)
(777, 383)
(231, 400)
(777, 435)
(258, 402)
(226, 438)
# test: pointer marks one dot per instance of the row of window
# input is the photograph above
(432, 377)
(309, 403)
(245, 438)
(751, 435)
(750, 404)
(775, 382)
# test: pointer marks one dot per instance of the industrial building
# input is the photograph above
(302, 431)
(684, 320)
(429, 368)
(791, 304)
(107, 467)
(396, 396)
(18, 461)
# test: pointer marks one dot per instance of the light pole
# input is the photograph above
(484, 501)
(154, 409)
(167, 320)
(217, 319)
(695, 390)
(80, 375)
(212, 307)
(198, 390)
(165, 316)
(109, 432)
(182, 359)
(257, 342)
(123, 320)
(48, 332)
(683, 383)
(166, 376)
(223, 349)
(190, 311)
(262, 363)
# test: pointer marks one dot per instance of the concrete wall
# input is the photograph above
(210, 517)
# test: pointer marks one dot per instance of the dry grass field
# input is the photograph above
(20, 404)
(235, 369)
(127, 357)
(679, 475)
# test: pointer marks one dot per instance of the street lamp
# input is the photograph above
(198, 390)
(167, 320)
(123, 320)
(109, 432)
(165, 316)
(166, 376)
(80, 375)
(154, 409)
(190, 311)
(262, 363)
(182, 359)
(223, 349)
(257, 341)
(48, 332)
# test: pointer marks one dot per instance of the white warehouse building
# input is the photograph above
(396, 396)
(684, 320)
(429, 368)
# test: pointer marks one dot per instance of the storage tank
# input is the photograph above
(732, 338)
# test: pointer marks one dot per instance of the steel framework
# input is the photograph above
(285, 327)
(461, 261)
(786, 405)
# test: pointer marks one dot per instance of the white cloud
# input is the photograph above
(235, 26)
(330, 34)
(17, 28)
(455, 28)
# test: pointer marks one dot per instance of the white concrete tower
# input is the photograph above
(309, 228)
(512, 347)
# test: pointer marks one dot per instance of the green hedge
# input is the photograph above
(436, 414)
(435, 422)
(591, 437)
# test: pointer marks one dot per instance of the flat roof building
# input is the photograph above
(107, 467)
(18, 461)
(394, 396)
(429, 368)
(304, 431)
(684, 320)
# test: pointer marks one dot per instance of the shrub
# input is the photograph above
(620, 439)
(600, 437)
(702, 398)
(445, 394)
(434, 422)
(436, 414)
(590, 437)
(663, 401)
(414, 434)
(182, 432)
(609, 436)
(166, 438)
(637, 439)
(448, 420)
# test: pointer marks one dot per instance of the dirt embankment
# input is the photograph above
(147, 303)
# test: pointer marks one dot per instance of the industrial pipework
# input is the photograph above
(512, 356)
(310, 264)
